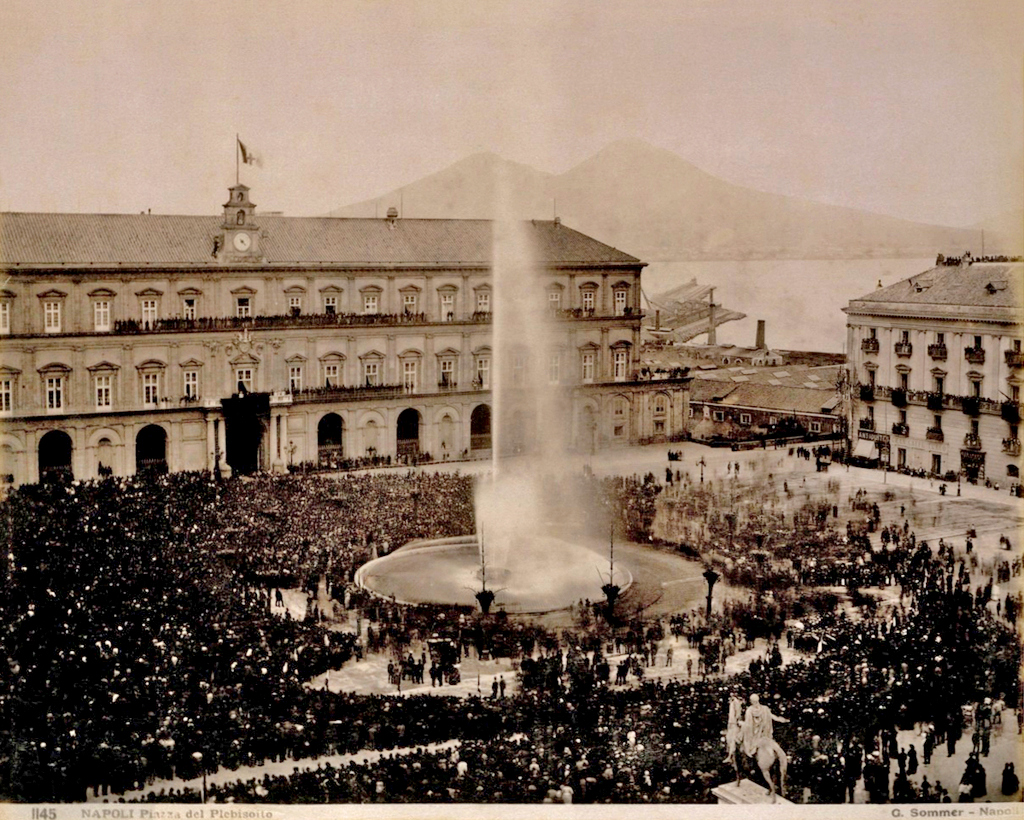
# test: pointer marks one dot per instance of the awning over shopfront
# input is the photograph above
(865, 449)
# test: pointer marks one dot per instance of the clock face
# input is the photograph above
(242, 241)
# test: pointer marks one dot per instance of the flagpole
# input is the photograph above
(237, 143)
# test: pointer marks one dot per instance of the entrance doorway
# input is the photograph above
(330, 434)
(408, 433)
(246, 419)
(480, 428)
(55, 450)
(151, 450)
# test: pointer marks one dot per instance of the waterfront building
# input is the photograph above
(935, 370)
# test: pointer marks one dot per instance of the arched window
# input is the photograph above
(240, 219)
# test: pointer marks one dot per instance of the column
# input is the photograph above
(389, 362)
(604, 307)
(605, 356)
(211, 444)
(429, 375)
(222, 445)
(464, 310)
(573, 301)
(275, 442)
(465, 365)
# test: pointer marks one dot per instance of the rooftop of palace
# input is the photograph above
(82, 241)
(968, 284)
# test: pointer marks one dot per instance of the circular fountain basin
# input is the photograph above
(556, 574)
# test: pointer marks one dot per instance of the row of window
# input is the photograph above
(938, 341)
(149, 306)
(746, 418)
(975, 380)
(154, 387)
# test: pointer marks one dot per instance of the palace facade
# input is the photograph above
(936, 365)
(251, 342)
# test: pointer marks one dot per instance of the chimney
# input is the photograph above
(392, 215)
(657, 320)
(712, 338)
(558, 221)
(760, 335)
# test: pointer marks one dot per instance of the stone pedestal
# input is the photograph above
(745, 793)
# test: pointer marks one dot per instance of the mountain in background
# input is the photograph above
(1004, 234)
(659, 207)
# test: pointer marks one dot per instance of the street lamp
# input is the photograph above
(198, 758)
(702, 464)
(711, 577)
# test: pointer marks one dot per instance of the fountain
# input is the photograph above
(537, 568)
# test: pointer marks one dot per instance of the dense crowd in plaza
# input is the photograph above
(141, 642)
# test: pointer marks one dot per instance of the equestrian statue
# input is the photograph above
(753, 737)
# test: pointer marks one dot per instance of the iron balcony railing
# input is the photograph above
(972, 442)
(869, 345)
(934, 434)
(1014, 358)
(867, 424)
(939, 352)
(1011, 446)
(899, 429)
(974, 355)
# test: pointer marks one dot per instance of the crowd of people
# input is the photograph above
(142, 642)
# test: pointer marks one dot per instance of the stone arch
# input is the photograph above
(621, 410)
(372, 430)
(480, 428)
(11, 449)
(55, 454)
(408, 432)
(105, 446)
(330, 439)
(151, 449)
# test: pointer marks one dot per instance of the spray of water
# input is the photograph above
(531, 415)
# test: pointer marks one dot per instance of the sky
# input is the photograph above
(913, 109)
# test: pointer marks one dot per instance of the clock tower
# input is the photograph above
(241, 238)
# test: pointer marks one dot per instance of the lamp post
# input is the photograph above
(198, 758)
(711, 577)
(702, 464)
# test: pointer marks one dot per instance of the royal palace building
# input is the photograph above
(935, 365)
(249, 342)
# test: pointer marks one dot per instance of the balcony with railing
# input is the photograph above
(934, 434)
(867, 424)
(904, 349)
(1011, 446)
(867, 392)
(899, 429)
(1014, 358)
(341, 393)
(898, 396)
(974, 355)
(972, 442)
(1010, 411)
(935, 401)
(938, 352)
(970, 405)
(869, 345)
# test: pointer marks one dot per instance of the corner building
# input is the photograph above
(248, 342)
(936, 366)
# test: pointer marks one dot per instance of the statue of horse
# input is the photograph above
(763, 749)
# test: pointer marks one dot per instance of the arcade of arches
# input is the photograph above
(259, 432)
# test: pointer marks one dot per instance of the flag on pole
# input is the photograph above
(248, 157)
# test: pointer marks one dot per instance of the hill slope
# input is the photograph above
(658, 206)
